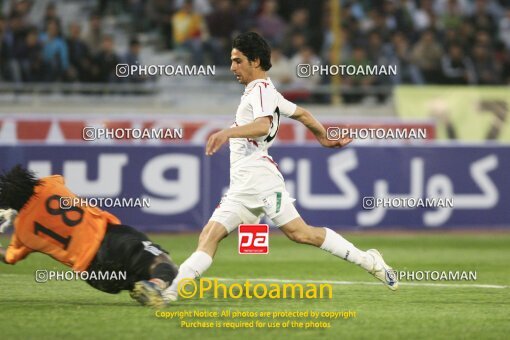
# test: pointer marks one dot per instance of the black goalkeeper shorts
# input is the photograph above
(124, 250)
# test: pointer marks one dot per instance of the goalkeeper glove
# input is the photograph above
(7, 217)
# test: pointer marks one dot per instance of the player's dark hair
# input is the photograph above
(253, 46)
(16, 187)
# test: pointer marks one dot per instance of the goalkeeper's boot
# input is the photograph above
(382, 271)
(147, 293)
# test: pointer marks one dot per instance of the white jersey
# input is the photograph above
(260, 99)
(252, 170)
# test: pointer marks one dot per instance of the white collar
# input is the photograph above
(255, 82)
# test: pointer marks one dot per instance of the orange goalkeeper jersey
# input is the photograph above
(71, 235)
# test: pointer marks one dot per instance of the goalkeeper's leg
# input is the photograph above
(161, 272)
(371, 260)
(200, 260)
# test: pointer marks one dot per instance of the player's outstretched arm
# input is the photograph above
(259, 127)
(318, 130)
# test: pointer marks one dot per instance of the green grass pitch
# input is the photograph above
(59, 309)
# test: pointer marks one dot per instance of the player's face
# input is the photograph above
(241, 67)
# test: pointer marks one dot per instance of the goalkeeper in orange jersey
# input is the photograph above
(81, 237)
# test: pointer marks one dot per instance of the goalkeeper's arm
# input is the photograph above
(318, 130)
(7, 217)
(2, 254)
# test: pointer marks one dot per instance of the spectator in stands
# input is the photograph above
(376, 50)
(159, 13)
(389, 8)
(189, 31)
(5, 50)
(105, 62)
(457, 67)
(466, 34)
(220, 25)
(424, 17)
(504, 29)
(132, 57)
(354, 33)
(20, 8)
(296, 43)
(482, 20)
(354, 9)
(452, 15)
(51, 15)
(16, 32)
(281, 72)
(426, 54)
(79, 55)
(94, 34)
(483, 39)
(408, 73)
(451, 37)
(299, 25)
(398, 16)
(55, 54)
(30, 58)
(376, 22)
(139, 18)
(357, 82)
(270, 24)
(367, 23)
(306, 55)
(485, 66)
(491, 44)
(245, 16)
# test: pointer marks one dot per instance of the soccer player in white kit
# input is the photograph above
(256, 185)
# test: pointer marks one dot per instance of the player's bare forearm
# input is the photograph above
(311, 123)
(318, 130)
(257, 128)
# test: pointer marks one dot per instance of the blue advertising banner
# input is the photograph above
(360, 187)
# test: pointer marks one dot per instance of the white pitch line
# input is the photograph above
(362, 283)
(418, 284)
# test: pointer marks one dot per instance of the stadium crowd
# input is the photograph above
(430, 41)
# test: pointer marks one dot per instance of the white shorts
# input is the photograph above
(233, 211)
(256, 189)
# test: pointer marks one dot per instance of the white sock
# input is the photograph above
(192, 268)
(339, 246)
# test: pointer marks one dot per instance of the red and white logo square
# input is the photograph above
(253, 238)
